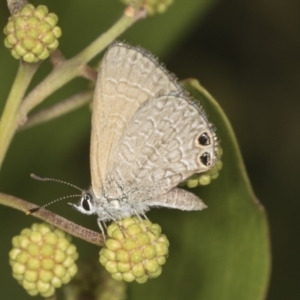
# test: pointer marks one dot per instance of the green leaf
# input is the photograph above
(222, 252)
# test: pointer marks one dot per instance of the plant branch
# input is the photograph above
(56, 58)
(9, 120)
(69, 69)
(59, 109)
(53, 219)
(89, 73)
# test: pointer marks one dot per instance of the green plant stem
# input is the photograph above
(73, 67)
(51, 218)
(59, 109)
(10, 120)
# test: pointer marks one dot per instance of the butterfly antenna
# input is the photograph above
(35, 209)
(55, 180)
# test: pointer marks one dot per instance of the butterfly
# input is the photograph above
(147, 136)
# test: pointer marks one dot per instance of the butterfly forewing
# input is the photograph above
(128, 77)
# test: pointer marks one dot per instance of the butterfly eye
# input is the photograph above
(204, 139)
(205, 159)
(86, 204)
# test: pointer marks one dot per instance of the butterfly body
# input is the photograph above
(109, 208)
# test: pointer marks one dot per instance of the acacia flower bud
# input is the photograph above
(135, 250)
(42, 259)
(32, 34)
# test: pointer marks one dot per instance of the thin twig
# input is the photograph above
(53, 219)
(89, 73)
(59, 109)
(56, 58)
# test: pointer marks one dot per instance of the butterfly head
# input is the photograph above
(86, 204)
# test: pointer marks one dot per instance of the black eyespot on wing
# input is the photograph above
(205, 159)
(86, 204)
(204, 139)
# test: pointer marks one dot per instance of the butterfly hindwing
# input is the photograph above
(161, 146)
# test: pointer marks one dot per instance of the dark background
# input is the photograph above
(246, 53)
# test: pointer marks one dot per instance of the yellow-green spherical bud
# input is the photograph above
(108, 254)
(59, 256)
(122, 255)
(142, 279)
(128, 276)
(113, 244)
(22, 257)
(41, 12)
(42, 259)
(56, 282)
(153, 6)
(129, 244)
(138, 270)
(33, 263)
(32, 34)
(14, 253)
(135, 250)
(110, 266)
(136, 256)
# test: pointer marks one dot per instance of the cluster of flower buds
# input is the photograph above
(135, 250)
(43, 259)
(32, 34)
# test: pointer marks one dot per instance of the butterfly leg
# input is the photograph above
(142, 220)
(145, 217)
(121, 228)
(138, 215)
(101, 228)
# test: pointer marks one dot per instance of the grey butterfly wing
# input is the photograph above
(128, 77)
(167, 140)
(179, 199)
